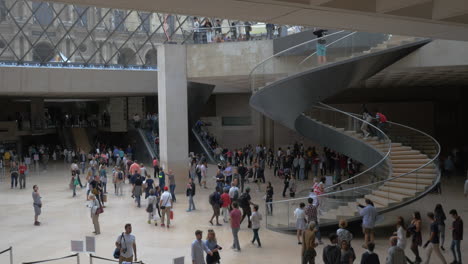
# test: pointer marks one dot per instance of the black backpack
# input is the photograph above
(211, 199)
(120, 175)
(244, 200)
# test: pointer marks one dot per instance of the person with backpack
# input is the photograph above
(162, 179)
(190, 192)
(215, 202)
(151, 208)
(245, 202)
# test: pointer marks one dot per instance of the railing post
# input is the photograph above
(77, 258)
(11, 255)
(90, 258)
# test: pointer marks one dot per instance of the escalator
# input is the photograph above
(66, 137)
(207, 149)
(290, 88)
(81, 139)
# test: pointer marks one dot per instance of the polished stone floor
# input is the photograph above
(65, 218)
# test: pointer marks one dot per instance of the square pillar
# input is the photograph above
(173, 115)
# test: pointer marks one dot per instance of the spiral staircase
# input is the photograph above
(399, 163)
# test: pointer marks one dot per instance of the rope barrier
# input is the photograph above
(6, 250)
(47, 260)
(112, 260)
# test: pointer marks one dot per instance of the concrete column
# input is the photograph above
(37, 114)
(173, 116)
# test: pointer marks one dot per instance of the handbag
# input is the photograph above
(171, 215)
(117, 250)
(149, 209)
(100, 210)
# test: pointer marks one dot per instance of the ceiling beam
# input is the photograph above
(386, 6)
(445, 10)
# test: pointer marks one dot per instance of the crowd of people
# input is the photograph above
(231, 199)
(340, 249)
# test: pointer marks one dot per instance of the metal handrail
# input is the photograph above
(288, 49)
(384, 158)
(382, 181)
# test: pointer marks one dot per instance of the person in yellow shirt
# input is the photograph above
(7, 157)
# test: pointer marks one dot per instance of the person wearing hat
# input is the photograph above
(166, 205)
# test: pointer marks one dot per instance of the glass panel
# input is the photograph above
(43, 13)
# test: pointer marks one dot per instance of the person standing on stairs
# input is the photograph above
(367, 117)
(382, 124)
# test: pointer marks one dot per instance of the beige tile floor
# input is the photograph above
(65, 218)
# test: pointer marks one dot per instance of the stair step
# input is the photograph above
(404, 153)
(404, 185)
(362, 201)
(405, 170)
(396, 190)
(410, 161)
(412, 166)
(395, 156)
(414, 180)
(387, 194)
(416, 175)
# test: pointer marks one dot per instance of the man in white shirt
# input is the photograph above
(234, 192)
(127, 245)
(198, 246)
(166, 205)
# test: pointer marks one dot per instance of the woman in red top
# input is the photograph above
(226, 203)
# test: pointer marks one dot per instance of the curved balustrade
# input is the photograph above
(399, 161)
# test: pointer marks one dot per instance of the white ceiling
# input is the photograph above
(427, 18)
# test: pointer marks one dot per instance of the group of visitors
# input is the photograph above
(340, 249)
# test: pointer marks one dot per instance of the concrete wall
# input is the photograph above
(226, 59)
(16, 81)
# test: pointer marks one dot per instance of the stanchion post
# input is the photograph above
(11, 255)
(90, 258)
(77, 258)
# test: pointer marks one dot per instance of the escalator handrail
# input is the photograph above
(208, 148)
(147, 144)
(384, 158)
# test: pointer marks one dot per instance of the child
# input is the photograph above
(256, 217)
